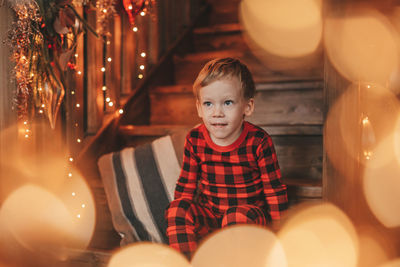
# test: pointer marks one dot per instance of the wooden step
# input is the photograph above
(219, 37)
(291, 103)
(187, 67)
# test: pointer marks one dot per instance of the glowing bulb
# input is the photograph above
(135, 29)
(42, 105)
(26, 136)
(25, 122)
(78, 105)
(78, 140)
(76, 124)
(130, 7)
(365, 120)
(108, 99)
(73, 194)
(104, 10)
(104, 88)
(72, 92)
(79, 72)
(79, 216)
(71, 159)
(143, 54)
(141, 67)
(103, 69)
(140, 76)
(121, 111)
(108, 42)
(111, 104)
(83, 206)
(76, 55)
(142, 13)
(27, 130)
(32, 74)
(40, 111)
(70, 174)
(40, 89)
(109, 59)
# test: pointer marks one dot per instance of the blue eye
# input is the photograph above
(228, 102)
(207, 104)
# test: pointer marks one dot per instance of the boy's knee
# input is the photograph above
(178, 209)
(242, 214)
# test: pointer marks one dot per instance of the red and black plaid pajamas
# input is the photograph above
(239, 183)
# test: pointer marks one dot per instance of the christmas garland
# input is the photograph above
(43, 39)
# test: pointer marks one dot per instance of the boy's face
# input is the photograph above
(222, 107)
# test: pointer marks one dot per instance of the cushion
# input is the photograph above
(139, 184)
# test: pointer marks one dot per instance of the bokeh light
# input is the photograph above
(146, 254)
(381, 181)
(392, 263)
(47, 208)
(363, 46)
(284, 35)
(319, 235)
(354, 124)
(240, 245)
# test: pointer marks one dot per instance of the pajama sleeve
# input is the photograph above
(274, 191)
(187, 183)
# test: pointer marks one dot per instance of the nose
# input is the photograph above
(217, 111)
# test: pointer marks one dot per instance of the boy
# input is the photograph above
(230, 173)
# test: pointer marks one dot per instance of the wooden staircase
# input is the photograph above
(289, 108)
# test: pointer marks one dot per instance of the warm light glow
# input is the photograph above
(103, 69)
(148, 254)
(71, 159)
(69, 174)
(141, 67)
(140, 76)
(319, 235)
(354, 124)
(40, 111)
(72, 92)
(110, 104)
(135, 29)
(76, 55)
(104, 10)
(121, 111)
(104, 88)
(109, 59)
(40, 89)
(143, 54)
(290, 28)
(108, 99)
(142, 13)
(79, 72)
(78, 140)
(240, 245)
(130, 7)
(362, 46)
(381, 181)
(41, 194)
(78, 105)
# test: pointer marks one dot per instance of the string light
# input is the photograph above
(109, 59)
(135, 29)
(103, 69)
(121, 111)
(142, 13)
(140, 76)
(78, 105)
(141, 67)
(143, 54)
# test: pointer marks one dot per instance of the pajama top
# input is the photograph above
(244, 173)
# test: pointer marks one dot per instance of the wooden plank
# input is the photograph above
(219, 28)
(299, 157)
(93, 76)
(288, 107)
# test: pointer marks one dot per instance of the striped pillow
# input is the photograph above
(139, 184)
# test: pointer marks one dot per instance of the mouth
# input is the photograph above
(219, 125)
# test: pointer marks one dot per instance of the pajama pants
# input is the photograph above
(188, 222)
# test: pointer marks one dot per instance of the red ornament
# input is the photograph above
(134, 7)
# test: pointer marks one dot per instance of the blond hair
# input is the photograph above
(221, 68)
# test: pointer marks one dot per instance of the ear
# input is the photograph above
(249, 108)
(198, 106)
